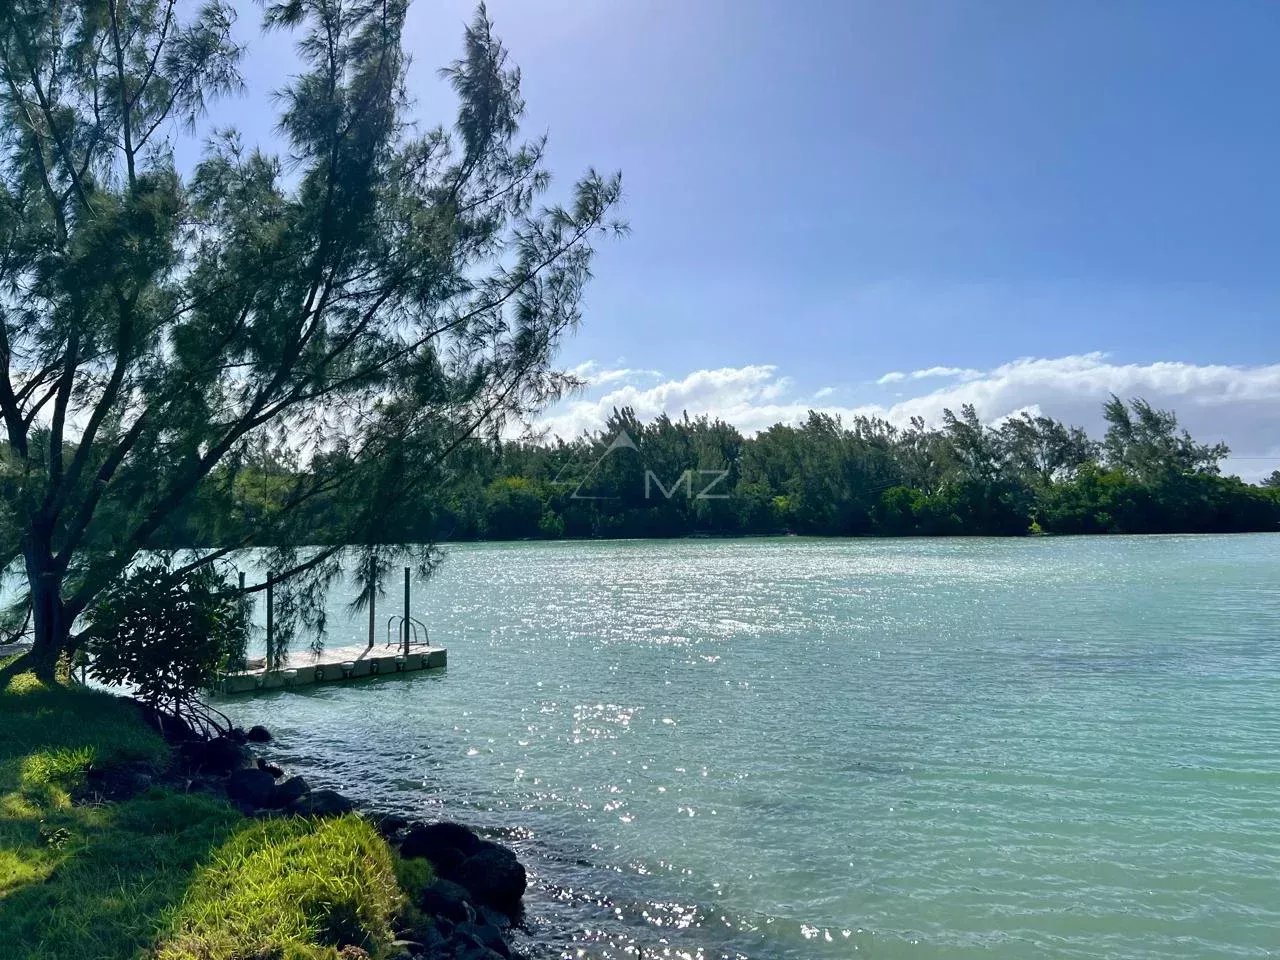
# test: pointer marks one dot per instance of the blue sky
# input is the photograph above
(821, 194)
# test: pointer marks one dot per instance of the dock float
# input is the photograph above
(334, 665)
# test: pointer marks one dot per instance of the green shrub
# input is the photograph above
(166, 637)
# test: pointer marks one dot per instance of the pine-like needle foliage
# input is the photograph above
(360, 304)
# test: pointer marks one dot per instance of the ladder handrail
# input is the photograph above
(413, 623)
(400, 621)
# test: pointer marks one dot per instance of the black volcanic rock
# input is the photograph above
(490, 872)
(447, 899)
(484, 936)
(271, 768)
(322, 803)
(219, 755)
(494, 876)
(289, 792)
(434, 841)
(251, 786)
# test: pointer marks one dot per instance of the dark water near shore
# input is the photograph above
(821, 749)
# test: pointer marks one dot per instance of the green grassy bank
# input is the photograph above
(164, 874)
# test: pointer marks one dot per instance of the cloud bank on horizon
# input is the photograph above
(1237, 404)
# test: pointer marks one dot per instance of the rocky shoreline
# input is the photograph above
(469, 910)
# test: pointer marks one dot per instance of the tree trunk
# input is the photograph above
(51, 626)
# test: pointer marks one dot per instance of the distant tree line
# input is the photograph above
(700, 476)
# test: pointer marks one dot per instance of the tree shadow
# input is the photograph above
(122, 869)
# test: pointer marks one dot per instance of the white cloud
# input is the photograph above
(733, 393)
(956, 373)
(597, 376)
(1238, 404)
(930, 373)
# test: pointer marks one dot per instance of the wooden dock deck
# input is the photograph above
(334, 665)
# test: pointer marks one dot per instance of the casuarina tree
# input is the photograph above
(359, 303)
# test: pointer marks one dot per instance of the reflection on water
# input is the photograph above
(818, 749)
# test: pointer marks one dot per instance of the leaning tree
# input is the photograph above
(362, 302)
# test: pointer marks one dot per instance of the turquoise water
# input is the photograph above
(817, 749)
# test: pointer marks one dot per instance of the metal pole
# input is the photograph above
(373, 596)
(244, 653)
(406, 611)
(271, 623)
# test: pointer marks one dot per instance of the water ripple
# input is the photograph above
(818, 749)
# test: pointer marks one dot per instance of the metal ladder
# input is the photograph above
(407, 633)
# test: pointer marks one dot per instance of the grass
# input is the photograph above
(287, 888)
(164, 875)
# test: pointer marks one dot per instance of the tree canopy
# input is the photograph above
(866, 477)
(352, 308)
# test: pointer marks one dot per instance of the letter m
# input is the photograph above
(686, 478)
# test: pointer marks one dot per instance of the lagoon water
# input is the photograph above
(814, 749)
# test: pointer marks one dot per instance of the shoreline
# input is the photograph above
(475, 901)
(218, 852)
(788, 535)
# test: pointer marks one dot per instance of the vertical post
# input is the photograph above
(271, 624)
(241, 664)
(406, 611)
(373, 596)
